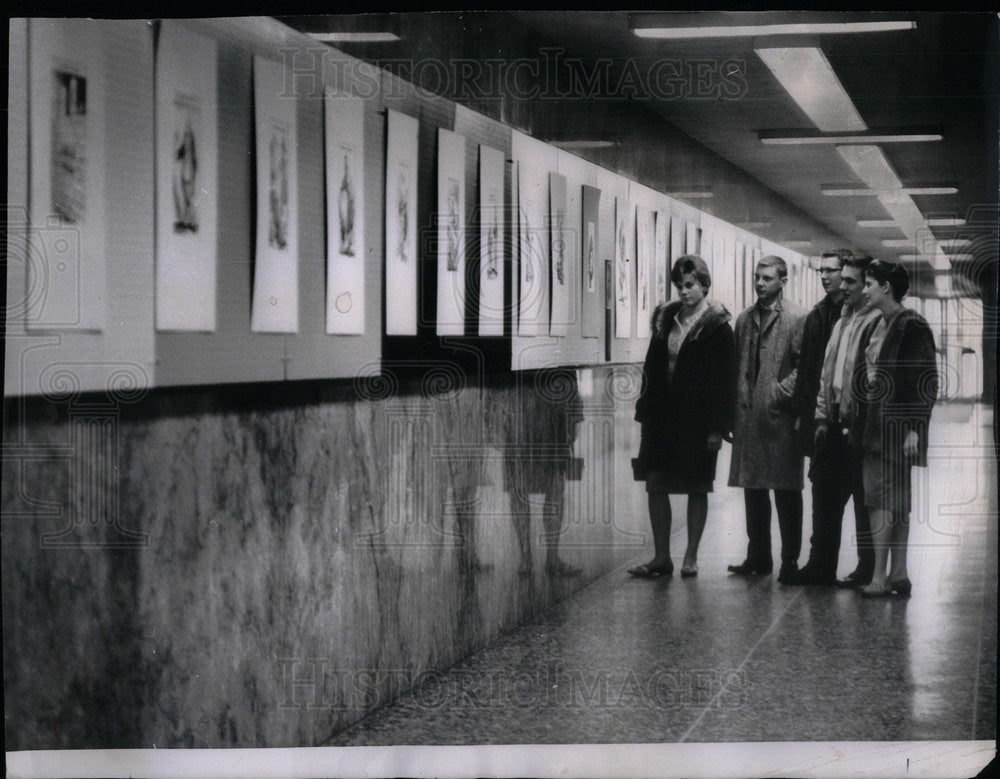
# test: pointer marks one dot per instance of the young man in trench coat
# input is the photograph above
(767, 451)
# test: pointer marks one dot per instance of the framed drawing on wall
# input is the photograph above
(344, 129)
(451, 234)
(533, 246)
(624, 244)
(67, 83)
(186, 179)
(275, 304)
(661, 256)
(591, 266)
(491, 240)
(400, 227)
(645, 242)
(563, 269)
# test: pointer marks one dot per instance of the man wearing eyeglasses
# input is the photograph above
(819, 325)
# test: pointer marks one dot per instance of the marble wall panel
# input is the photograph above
(264, 565)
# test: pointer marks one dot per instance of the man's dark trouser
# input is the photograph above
(835, 471)
(758, 507)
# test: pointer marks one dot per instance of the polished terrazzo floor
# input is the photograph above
(721, 658)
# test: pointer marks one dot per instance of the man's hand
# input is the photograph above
(911, 444)
(819, 437)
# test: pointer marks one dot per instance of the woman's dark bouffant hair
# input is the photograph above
(891, 272)
(691, 263)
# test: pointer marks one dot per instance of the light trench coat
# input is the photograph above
(767, 452)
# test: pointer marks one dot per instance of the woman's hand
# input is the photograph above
(714, 442)
(911, 444)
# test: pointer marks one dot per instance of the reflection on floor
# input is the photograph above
(720, 658)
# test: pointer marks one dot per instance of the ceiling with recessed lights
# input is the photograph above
(815, 130)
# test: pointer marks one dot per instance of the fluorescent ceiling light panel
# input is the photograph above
(583, 144)
(861, 191)
(809, 140)
(870, 165)
(955, 243)
(691, 195)
(754, 225)
(808, 77)
(795, 244)
(945, 222)
(355, 37)
(756, 30)
(897, 242)
(877, 223)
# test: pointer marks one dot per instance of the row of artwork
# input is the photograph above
(557, 227)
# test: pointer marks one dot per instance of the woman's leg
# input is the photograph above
(899, 540)
(882, 531)
(697, 511)
(660, 518)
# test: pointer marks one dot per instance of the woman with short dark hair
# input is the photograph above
(685, 409)
(900, 390)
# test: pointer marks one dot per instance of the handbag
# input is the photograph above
(638, 469)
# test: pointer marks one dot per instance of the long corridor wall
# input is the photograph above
(260, 558)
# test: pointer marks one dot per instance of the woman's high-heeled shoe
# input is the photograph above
(901, 588)
(874, 591)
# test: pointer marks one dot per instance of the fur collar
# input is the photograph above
(715, 315)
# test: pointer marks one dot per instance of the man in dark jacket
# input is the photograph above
(835, 467)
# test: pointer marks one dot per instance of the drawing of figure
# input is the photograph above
(590, 256)
(492, 245)
(185, 175)
(622, 266)
(557, 249)
(528, 255)
(278, 232)
(452, 225)
(402, 214)
(345, 210)
(69, 147)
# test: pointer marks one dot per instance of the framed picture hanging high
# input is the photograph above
(623, 273)
(275, 303)
(68, 175)
(592, 265)
(491, 240)
(645, 242)
(563, 266)
(400, 227)
(451, 234)
(344, 125)
(533, 265)
(187, 179)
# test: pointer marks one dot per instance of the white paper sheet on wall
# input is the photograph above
(645, 243)
(400, 224)
(275, 305)
(660, 257)
(563, 269)
(491, 240)
(67, 284)
(346, 251)
(187, 179)
(451, 234)
(623, 273)
(533, 265)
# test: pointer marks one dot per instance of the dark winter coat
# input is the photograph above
(902, 395)
(678, 414)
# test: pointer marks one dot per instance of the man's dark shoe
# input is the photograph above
(746, 568)
(856, 578)
(788, 574)
(812, 577)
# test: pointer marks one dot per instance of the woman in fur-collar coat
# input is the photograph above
(685, 409)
